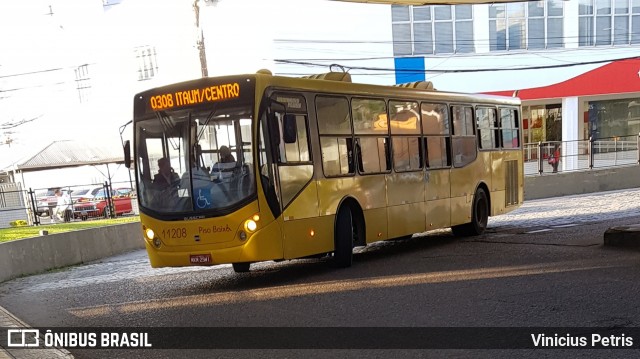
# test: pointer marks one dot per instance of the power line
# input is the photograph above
(369, 68)
(33, 72)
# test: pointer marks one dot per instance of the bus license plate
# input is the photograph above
(200, 258)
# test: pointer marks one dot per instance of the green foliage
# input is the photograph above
(19, 232)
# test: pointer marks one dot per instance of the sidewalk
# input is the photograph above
(7, 320)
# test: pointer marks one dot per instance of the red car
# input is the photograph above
(96, 206)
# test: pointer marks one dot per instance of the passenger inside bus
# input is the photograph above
(165, 177)
(223, 169)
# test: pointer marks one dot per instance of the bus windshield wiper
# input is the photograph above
(204, 125)
(167, 126)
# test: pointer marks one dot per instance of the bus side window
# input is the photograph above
(436, 129)
(371, 128)
(465, 149)
(405, 132)
(336, 142)
(295, 139)
(509, 132)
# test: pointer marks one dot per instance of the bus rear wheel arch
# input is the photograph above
(349, 232)
(479, 216)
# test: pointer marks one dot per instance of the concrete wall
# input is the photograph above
(39, 254)
(568, 183)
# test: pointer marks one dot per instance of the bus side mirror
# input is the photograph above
(274, 129)
(127, 154)
(289, 129)
(274, 109)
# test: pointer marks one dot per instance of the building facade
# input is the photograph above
(562, 50)
(574, 63)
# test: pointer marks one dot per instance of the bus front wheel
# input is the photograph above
(241, 267)
(479, 217)
(344, 238)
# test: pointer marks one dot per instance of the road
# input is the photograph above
(543, 265)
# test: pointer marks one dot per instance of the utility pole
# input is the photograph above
(200, 42)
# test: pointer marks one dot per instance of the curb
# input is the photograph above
(11, 321)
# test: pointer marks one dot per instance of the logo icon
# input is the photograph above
(23, 338)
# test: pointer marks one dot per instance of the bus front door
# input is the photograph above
(298, 191)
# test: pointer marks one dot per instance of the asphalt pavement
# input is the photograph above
(536, 215)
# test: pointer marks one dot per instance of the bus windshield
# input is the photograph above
(195, 160)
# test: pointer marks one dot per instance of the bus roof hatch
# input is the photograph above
(331, 76)
(419, 85)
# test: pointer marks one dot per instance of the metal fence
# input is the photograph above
(37, 206)
(582, 154)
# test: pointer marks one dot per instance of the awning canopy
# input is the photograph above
(618, 77)
(63, 154)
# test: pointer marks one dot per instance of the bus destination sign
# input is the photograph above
(195, 96)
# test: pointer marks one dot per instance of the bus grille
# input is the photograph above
(511, 182)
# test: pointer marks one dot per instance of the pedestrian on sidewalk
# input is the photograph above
(554, 159)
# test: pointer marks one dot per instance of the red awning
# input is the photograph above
(614, 78)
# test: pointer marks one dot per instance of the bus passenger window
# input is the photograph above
(463, 142)
(371, 129)
(372, 155)
(405, 131)
(298, 151)
(487, 128)
(436, 129)
(510, 134)
(334, 126)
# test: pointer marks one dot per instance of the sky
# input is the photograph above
(44, 40)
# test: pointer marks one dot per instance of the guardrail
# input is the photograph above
(581, 155)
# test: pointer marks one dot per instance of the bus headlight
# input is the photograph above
(251, 225)
(157, 242)
(150, 234)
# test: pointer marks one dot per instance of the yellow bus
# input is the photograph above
(242, 169)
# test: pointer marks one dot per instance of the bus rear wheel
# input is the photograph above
(241, 267)
(344, 238)
(479, 217)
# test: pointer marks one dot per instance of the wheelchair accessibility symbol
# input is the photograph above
(202, 201)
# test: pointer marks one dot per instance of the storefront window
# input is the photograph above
(542, 123)
(614, 118)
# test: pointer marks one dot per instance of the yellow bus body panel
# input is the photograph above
(305, 237)
(376, 224)
(464, 182)
(438, 192)
(405, 198)
(306, 233)
(264, 244)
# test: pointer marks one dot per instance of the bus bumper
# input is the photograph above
(264, 245)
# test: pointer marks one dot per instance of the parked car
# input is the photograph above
(83, 202)
(46, 202)
(96, 206)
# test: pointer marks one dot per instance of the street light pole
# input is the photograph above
(200, 42)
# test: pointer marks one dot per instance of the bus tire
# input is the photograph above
(344, 238)
(241, 267)
(479, 217)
